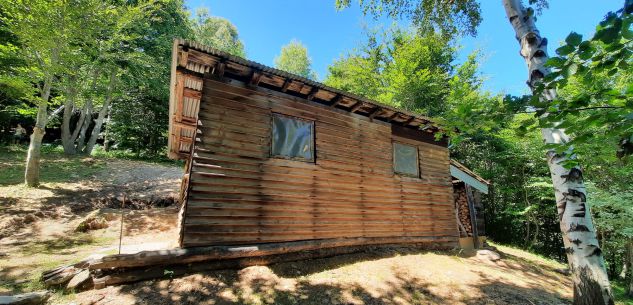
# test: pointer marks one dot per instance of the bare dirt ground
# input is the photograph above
(391, 276)
(38, 226)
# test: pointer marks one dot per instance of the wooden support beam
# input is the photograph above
(157, 271)
(194, 94)
(375, 112)
(393, 116)
(255, 78)
(336, 100)
(201, 254)
(183, 58)
(286, 84)
(219, 69)
(180, 87)
(184, 125)
(408, 121)
(312, 93)
(356, 106)
(186, 139)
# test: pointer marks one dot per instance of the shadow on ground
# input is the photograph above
(379, 277)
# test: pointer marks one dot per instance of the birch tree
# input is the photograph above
(584, 255)
(48, 33)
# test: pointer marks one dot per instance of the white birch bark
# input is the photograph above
(589, 276)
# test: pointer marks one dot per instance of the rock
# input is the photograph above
(94, 221)
(79, 280)
(31, 298)
(488, 255)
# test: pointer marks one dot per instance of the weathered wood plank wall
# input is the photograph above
(239, 195)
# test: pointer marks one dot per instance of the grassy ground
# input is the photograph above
(55, 166)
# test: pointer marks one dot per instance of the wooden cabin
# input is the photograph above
(468, 188)
(272, 157)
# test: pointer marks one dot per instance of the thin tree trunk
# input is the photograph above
(106, 147)
(96, 130)
(69, 106)
(629, 265)
(32, 172)
(589, 276)
(81, 138)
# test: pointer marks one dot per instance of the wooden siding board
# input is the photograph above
(240, 195)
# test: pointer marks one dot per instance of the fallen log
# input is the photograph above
(169, 271)
(199, 254)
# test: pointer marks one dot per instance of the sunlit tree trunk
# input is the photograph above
(589, 276)
(32, 172)
(96, 130)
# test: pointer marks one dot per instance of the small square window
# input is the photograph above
(405, 159)
(292, 138)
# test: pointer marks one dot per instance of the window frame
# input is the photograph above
(312, 138)
(417, 160)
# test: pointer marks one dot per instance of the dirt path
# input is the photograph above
(38, 226)
(394, 276)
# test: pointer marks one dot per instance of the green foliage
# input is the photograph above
(398, 68)
(593, 78)
(217, 32)
(294, 59)
(447, 17)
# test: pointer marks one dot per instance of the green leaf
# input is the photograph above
(555, 62)
(573, 39)
(565, 50)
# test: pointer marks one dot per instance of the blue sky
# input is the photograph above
(265, 25)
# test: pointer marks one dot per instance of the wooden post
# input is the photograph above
(473, 216)
(121, 228)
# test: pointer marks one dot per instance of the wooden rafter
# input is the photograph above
(255, 78)
(220, 68)
(286, 84)
(312, 93)
(408, 121)
(375, 112)
(336, 100)
(183, 58)
(190, 93)
(356, 106)
(393, 116)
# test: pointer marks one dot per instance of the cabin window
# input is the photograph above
(292, 138)
(405, 159)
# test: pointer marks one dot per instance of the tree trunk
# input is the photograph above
(589, 276)
(106, 147)
(32, 172)
(629, 265)
(68, 142)
(96, 130)
(81, 138)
